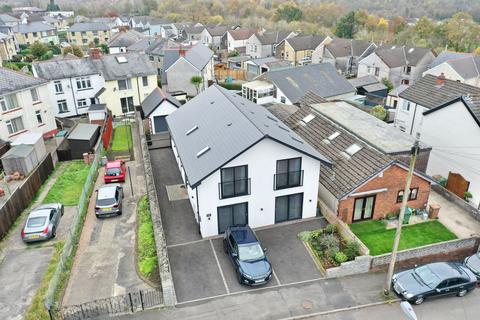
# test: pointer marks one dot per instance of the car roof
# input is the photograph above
(107, 191)
(446, 270)
(113, 164)
(243, 234)
(40, 213)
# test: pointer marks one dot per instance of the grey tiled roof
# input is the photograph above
(157, 46)
(299, 43)
(156, 97)
(151, 20)
(11, 81)
(36, 26)
(363, 81)
(199, 55)
(88, 26)
(228, 125)
(6, 18)
(346, 173)
(125, 38)
(140, 46)
(467, 68)
(340, 47)
(322, 79)
(65, 68)
(280, 110)
(396, 56)
(310, 98)
(448, 55)
(428, 94)
(217, 31)
(137, 65)
(272, 37)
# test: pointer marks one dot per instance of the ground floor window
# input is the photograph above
(62, 106)
(288, 207)
(14, 125)
(232, 215)
(363, 209)
(127, 104)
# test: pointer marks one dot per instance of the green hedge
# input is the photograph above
(231, 86)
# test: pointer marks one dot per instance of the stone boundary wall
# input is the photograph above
(457, 200)
(361, 264)
(168, 290)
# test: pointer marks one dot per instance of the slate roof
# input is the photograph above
(346, 172)
(217, 31)
(467, 68)
(260, 61)
(157, 46)
(309, 42)
(36, 26)
(241, 33)
(228, 125)
(280, 110)
(363, 81)
(125, 38)
(141, 45)
(105, 20)
(448, 55)
(11, 81)
(272, 37)
(6, 18)
(280, 64)
(151, 20)
(83, 131)
(396, 56)
(88, 26)
(199, 55)
(137, 65)
(310, 98)
(65, 68)
(194, 30)
(322, 79)
(428, 94)
(340, 47)
(154, 99)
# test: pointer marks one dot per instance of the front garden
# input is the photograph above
(379, 239)
(329, 247)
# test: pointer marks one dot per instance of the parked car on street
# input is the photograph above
(115, 171)
(434, 279)
(109, 200)
(42, 222)
(473, 263)
(247, 255)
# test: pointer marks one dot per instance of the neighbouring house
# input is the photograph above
(374, 91)
(150, 25)
(263, 44)
(399, 64)
(8, 46)
(240, 164)
(113, 22)
(344, 54)
(236, 40)
(196, 61)
(25, 105)
(212, 37)
(462, 67)
(121, 40)
(74, 84)
(393, 96)
(156, 107)
(256, 67)
(362, 182)
(299, 49)
(445, 114)
(85, 33)
(289, 85)
(156, 52)
(141, 45)
(8, 20)
(31, 32)
(194, 33)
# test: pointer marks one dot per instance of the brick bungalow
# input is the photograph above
(363, 182)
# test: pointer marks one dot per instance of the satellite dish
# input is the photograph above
(408, 310)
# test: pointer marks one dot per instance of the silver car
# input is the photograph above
(109, 200)
(42, 222)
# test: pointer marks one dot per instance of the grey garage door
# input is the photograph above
(233, 215)
(160, 124)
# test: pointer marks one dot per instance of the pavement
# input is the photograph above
(27, 262)
(104, 264)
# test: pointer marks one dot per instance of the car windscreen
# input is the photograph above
(474, 262)
(427, 276)
(36, 222)
(114, 172)
(250, 252)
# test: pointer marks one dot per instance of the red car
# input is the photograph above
(115, 171)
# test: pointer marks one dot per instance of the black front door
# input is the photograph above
(288, 207)
(232, 215)
(160, 124)
(363, 209)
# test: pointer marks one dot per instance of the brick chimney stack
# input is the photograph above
(95, 53)
(441, 79)
(182, 51)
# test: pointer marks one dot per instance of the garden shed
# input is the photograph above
(21, 158)
(34, 139)
(97, 113)
(82, 139)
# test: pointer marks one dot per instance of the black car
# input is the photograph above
(473, 263)
(434, 279)
(247, 255)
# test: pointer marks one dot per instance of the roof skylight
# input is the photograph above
(191, 130)
(203, 151)
(333, 135)
(308, 118)
(121, 59)
(354, 148)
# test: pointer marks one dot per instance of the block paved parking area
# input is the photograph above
(200, 267)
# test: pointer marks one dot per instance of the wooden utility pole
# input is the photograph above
(406, 195)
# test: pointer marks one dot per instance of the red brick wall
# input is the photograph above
(393, 180)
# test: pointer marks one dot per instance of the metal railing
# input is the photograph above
(286, 180)
(236, 188)
(98, 309)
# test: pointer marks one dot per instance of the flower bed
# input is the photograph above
(329, 247)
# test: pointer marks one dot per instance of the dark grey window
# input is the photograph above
(127, 104)
(145, 81)
(234, 182)
(288, 207)
(232, 215)
(289, 173)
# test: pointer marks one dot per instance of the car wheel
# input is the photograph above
(239, 278)
(54, 232)
(119, 213)
(419, 300)
(225, 247)
(462, 293)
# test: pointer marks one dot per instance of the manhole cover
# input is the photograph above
(307, 304)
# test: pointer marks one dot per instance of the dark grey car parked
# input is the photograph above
(109, 200)
(473, 263)
(42, 222)
(434, 279)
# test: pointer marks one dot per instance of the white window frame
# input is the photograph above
(128, 84)
(8, 102)
(145, 81)
(34, 94)
(58, 86)
(61, 104)
(38, 114)
(83, 83)
(12, 125)
(82, 103)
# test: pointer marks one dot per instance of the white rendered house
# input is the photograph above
(242, 165)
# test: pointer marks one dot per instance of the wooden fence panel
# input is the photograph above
(457, 184)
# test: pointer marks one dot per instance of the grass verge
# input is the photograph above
(379, 240)
(146, 246)
(69, 185)
(122, 138)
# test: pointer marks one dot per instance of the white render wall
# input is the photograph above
(455, 137)
(261, 160)
(373, 61)
(411, 119)
(165, 108)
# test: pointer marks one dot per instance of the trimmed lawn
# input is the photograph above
(379, 240)
(146, 246)
(122, 138)
(69, 185)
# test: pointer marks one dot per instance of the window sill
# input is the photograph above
(58, 93)
(61, 112)
(85, 89)
(41, 125)
(36, 102)
(17, 133)
(287, 187)
(11, 110)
